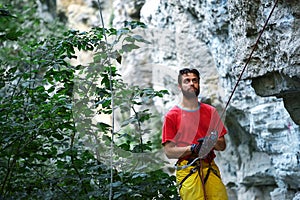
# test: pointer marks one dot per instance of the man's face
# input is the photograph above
(190, 85)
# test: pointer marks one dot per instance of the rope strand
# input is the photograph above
(201, 174)
(248, 60)
(243, 70)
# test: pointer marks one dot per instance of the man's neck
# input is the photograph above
(190, 104)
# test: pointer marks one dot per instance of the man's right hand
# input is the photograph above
(195, 148)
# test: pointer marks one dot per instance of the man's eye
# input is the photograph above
(188, 80)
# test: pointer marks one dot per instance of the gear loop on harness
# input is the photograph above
(193, 170)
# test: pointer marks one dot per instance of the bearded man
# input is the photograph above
(184, 129)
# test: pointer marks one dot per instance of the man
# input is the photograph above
(185, 126)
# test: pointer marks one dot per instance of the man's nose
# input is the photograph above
(191, 82)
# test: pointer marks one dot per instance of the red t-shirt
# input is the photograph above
(185, 127)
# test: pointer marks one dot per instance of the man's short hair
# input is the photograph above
(186, 71)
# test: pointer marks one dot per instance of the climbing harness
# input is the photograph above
(197, 167)
(210, 169)
(193, 170)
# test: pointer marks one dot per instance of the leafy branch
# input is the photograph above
(47, 110)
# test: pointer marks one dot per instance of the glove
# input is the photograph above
(195, 148)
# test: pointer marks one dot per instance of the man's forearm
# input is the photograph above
(177, 152)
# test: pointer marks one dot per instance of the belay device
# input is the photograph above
(208, 143)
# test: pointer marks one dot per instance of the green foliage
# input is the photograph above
(49, 146)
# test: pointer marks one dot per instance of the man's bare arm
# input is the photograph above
(174, 152)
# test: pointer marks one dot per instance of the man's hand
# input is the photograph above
(195, 148)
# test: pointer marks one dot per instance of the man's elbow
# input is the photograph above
(220, 146)
(168, 149)
(168, 154)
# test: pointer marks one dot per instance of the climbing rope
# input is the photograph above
(211, 139)
(249, 58)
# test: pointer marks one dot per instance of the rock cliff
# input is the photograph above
(262, 159)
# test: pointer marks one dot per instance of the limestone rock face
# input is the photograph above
(262, 159)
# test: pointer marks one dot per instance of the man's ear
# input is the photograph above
(179, 86)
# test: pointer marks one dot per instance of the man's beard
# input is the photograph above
(190, 95)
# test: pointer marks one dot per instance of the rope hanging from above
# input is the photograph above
(211, 138)
(249, 58)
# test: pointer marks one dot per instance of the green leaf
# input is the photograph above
(58, 136)
(129, 47)
(60, 164)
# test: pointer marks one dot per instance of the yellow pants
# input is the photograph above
(192, 187)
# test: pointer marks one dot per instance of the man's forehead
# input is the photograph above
(189, 75)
